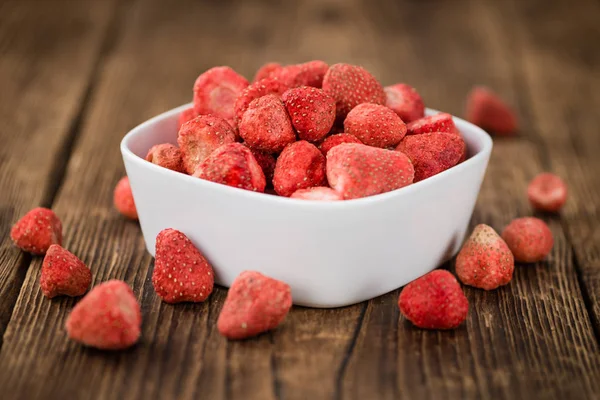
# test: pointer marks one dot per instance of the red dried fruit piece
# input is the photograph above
(351, 85)
(216, 91)
(310, 73)
(266, 162)
(529, 239)
(357, 170)
(200, 137)
(441, 122)
(181, 273)
(266, 125)
(321, 193)
(266, 71)
(36, 231)
(485, 261)
(299, 166)
(334, 140)
(234, 165)
(432, 153)
(405, 101)
(485, 109)
(375, 125)
(255, 303)
(63, 274)
(434, 301)
(255, 91)
(123, 199)
(167, 156)
(185, 116)
(107, 318)
(547, 192)
(312, 112)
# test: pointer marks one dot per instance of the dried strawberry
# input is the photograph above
(334, 140)
(529, 239)
(37, 230)
(375, 125)
(547, 192)
(320, 193)
(487, 110)
(63, 274)
(167, 156)
(185, 116)
(441, 122)
(299, 166)
(312, 112)
(266, 71)
(123, 199)
(405, 101)
(255, 91)
(216, 90)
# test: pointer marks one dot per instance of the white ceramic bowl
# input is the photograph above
(330, 253)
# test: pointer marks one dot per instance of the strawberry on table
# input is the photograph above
(63, 274)
(37, 230)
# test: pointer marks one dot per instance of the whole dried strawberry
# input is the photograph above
(167, 156)
(441, 122)
(547, 192)
(320, 193)
(63, 274)
(266, 125)
(266, 71)
(255, 303)
(485, 109)
(107, 318)
(257, 90)
(37, 230)
(432, 153)
(266, 162)
(181, 273)
(434, 301)
(529, 239)
(234, 165)
(351, 85)
(405, 101)
(375, 125)
(216, 90)
(334, 140)
(185, 116)
(312, 112)
(123, 199)
(299, 166)
(306, 74)
(200, 137)
(485, 261)
(357, 170)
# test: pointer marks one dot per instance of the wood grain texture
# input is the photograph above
(530, 339)
(48, 54)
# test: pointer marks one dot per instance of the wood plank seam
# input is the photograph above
(59, 167)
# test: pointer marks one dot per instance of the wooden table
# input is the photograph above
(75, 76)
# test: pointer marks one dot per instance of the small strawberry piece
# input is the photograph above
(434, 301)
(63, 274)
(485, 109)
(351, 85)
(547, 192)
(266, 71)
(311, 74)
(432, 153)
(200, 137)
(320, 193)
(485, 261)
(357, 170)
(123, 199)
(266, 162)
(185, 116)
(255, 303)
(255, 91)
(529, 239)
(181, 273)
(266, 125)
(234, 165)
(333, 140)
(312, 112)
(107, 318)
(36, 231)
(405, 101)
(299, 166)
(441, 122)
(375, 125)
(167, 156)
(216, 90)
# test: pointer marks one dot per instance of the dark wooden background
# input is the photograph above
(75, 76)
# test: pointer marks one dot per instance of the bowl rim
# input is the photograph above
(481, 156)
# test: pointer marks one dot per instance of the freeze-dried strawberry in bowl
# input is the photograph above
(331, 253)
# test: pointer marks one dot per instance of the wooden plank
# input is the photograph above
(562, 92)
(48, 55)
(530, 339)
